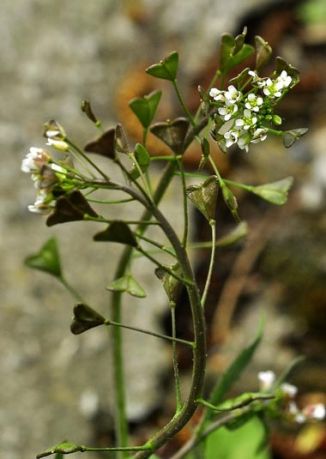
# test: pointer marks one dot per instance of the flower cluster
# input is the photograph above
(45, 174)
(248, 115)
(288, 392)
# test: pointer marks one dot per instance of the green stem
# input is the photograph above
(128, 222)
(82, 449)
(156, 244)
(175, 360)
(86, 158)
(182, 103)
(101, 201)
(109, 322)
(211, 264)
(185, 203)
(71, 290)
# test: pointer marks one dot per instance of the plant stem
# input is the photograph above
(86, 158)
(185, 203)
(156, 244)
(182, 103)
(175, 359)
(109, 322)
(211, 263)
(101, 219)
(71, 289)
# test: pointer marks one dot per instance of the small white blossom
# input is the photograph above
(54, 130)
(253, 102)
(228, 111)
(40, 205)
(247, 121)
(59, 145)
(232, 95)
(317, 411)
(272, 88)
(284, 79)
(35, 160)
(217, 94)
(254, 75)
(266, 379)
(259, 135)
(289, 389)
(230, 137)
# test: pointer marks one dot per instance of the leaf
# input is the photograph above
(47, 259)
(233, 51)
(204, 197)
(263, 52)
(70, 207)
(289, 137)
(127, 284)
(281, 65)
(59, 456)
(87, 109)
(171, 285)
(166, 69)
(145, 107)
(172, 133)
(66, 447)
(104, 145)
(120, 140)
(243, 443)
(275, 192)
(117, 231)
(84, 319)
(239, 232)
(143, 160)
(232, 374)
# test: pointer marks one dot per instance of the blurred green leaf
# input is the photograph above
(232, 374)
(70, 207)
(145, 107)
(117, 231)
(143, 160)
(204, 197)
(172, 133)
(127, 284)
(263, 52)
(166, 69)
(84, 319)
(243, 443)
(289, 137)
(47, 259)
(233, 51)
(171, 285)
(239, 232)
(275, 192)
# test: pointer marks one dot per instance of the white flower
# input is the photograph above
(289, 389)
(217, 94)
(60, 145)
(284, 79)
(254, 75)
(232, 95)
(266, 379)
(272, 88)
(247, 121)
(317, 411)
(259, 135)
(253, 102)
(35, 160)
(228, 111)
(230, 137)
(40, 205)
(54, 130)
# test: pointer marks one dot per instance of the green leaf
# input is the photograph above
(233, 51)
(172, 133)
(145, 107)
(84, 319)
(263, 52)
(289, 137)
(166, 69)
(275, 192)
(47, 259)
(127, 284)
(238, 233)
(171, 285)
(103, 145)
(204, 197)
(117, 231)
(232, 374)
(70, 207)
(59, 456)
(281, 65)
(66, 447)
(143, 160)
(243, 443)
(87, 109)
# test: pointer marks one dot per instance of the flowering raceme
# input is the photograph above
(247, 117)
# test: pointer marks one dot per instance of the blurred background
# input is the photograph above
(54, 54)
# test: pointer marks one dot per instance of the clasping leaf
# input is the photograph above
(166, 69)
